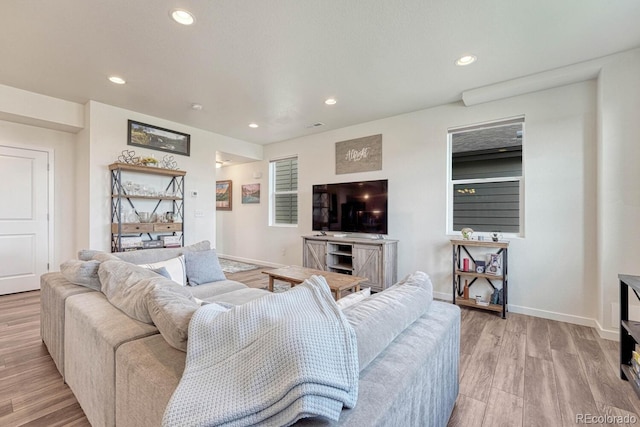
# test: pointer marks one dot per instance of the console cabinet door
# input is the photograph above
(367, 262)
(315, 254)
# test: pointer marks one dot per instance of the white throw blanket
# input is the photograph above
(270, 362)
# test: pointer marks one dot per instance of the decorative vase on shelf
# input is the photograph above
(466, 233)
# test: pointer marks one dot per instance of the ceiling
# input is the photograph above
(274, 62)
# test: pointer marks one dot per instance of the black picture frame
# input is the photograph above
(157, 138)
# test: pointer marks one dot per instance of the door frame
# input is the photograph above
(50, 194)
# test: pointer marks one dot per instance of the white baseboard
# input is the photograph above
(251, 261)
(609, 334)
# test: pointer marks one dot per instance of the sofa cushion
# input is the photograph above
(203, 267)
(126, 286)
(174, 266)
(83, 273)
(216, 288)
(171, 307)
(238, 297)
(147, 256)
(379, 319)
(105, 256)
(353, 298)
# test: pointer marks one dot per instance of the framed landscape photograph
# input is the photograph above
(223, 195)
(157, 138)
(251, 193)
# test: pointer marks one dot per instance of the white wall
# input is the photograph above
(552, 269)
(107, 139)
(63, 145)
(619, 175)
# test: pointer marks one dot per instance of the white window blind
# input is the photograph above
(284, 191)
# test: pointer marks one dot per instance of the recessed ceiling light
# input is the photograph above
(466, 60)
(182, 16)
(253, 125)
(117, 80)
(330, 101)
(197, 107)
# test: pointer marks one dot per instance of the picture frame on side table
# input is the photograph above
(224, 195)
(494, 265)
(157, 138)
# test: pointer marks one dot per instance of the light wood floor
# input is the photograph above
(522, 371)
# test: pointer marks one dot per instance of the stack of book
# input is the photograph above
(152, 244)
(131, 243)
(170, 241)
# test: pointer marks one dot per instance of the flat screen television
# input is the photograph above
(352, 207)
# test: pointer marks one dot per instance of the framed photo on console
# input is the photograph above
(494, 266)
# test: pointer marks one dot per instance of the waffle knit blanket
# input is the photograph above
(269, 362)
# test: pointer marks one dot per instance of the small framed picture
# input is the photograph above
(223, 195)
(251, 193)
(495, 265)
(480, 265)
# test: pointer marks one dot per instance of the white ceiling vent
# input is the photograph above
(315, 125)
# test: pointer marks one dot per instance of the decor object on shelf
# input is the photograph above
(157, 138)
(496, 236)
(224, 195)
(251, 193)
(359, 155)
(168, 162)
(467, 233)
(149, 161)
(129, 157)
(494, 265)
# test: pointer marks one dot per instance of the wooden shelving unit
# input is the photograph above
(119, 197)
(461, 245)
(629, 330)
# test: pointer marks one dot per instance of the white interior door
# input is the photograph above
(24, 205)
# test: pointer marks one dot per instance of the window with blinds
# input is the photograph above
(283, 177)
(486, 184)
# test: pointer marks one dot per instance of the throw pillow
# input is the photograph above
(353, 298)
(203, 267)
(175, 267)
(83, 273)
(162, 271)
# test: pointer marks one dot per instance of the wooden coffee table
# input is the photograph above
(295, 275)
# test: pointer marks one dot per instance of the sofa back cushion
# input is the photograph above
(84, 273)
(171, 307)
(127, 286)
(147, 256)
(380, 318)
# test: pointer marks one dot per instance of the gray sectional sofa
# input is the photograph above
(123, 371)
